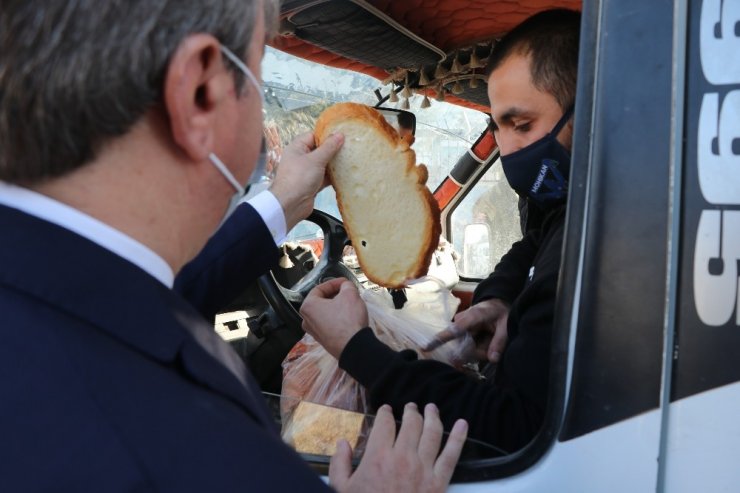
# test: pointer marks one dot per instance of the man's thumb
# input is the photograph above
(347, 287)
(328, 148)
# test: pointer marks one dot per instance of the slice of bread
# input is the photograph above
(389, 213)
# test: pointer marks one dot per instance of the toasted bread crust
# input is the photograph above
(353, 111)
(343, 112)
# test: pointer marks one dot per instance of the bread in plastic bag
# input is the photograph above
(311, 374)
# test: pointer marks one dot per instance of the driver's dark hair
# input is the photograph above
(75, 74)
(550, 38)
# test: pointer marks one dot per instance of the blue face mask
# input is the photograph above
(240, 190)
(540, 171)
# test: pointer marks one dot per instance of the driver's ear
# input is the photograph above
(196, 86)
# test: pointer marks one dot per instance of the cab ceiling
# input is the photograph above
(430, 46)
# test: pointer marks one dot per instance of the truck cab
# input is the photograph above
(644, 386)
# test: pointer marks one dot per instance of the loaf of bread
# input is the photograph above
(390, 215)
(315, 429)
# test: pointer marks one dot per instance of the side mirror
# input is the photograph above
(403, 121)
(477, 250)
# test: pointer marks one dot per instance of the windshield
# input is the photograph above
(297, 91)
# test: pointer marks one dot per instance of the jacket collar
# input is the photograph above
(81, 278)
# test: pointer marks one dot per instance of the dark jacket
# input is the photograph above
(108, 379)
(508, 411)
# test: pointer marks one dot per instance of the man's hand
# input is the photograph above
(332, 313)
(486, 322)
(302, 174)
(407, 463)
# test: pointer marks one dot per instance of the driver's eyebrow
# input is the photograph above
(507, 116)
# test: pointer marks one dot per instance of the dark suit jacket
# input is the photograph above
(234, 258)
(103, 386)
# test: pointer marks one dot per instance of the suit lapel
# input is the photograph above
(214, 364)
(88, 282)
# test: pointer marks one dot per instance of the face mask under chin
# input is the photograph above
(240, 190)
(540, 171)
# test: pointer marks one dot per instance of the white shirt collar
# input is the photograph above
(87, 226)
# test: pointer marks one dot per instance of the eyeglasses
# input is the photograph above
(271, 148)
(245, 70)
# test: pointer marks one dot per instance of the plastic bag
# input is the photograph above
(311, 374)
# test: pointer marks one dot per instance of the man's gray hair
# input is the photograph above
(76, 73)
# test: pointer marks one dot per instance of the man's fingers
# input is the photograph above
(445, 465)
(450, 333)
(347, 287)
(383, 434)
(480, 354)
(411, 428)
(324, 291)
(498, 342)
(305, 141)
(328, 289)
(431, 437)
(340, 466)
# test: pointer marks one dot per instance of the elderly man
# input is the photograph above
(531, 87)
(127, 133)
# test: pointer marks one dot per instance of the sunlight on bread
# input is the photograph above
(389, 213)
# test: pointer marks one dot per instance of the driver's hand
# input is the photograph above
(486, 322)
(302, 174)
(333, 313)
(408, 462)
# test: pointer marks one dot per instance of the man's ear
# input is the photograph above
(196, 84)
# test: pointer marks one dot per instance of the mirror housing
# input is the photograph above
(403, 121)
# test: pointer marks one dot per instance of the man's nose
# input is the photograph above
(508, 143)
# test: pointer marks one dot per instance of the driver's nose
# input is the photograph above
(507, 143)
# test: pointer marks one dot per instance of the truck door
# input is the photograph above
(701, 444)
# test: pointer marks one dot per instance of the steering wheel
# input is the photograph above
(285, 302)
